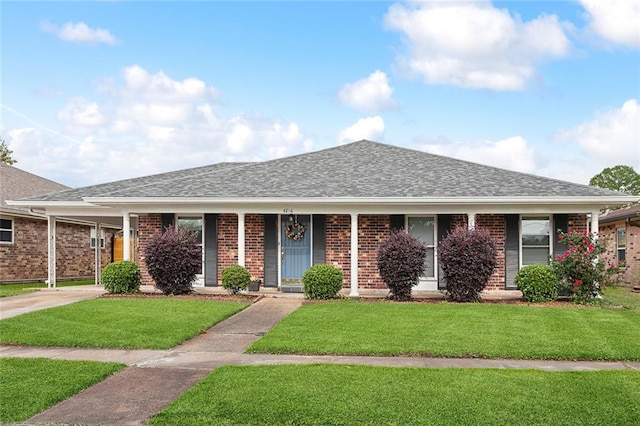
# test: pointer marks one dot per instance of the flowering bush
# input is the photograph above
(580, 269)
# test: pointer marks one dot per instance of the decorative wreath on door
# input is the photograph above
(295, 231)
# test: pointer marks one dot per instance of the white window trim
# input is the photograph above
(623, 248)
(434, 246)
(92, 238)
(199, 277)
(551, 233)
(12, 231)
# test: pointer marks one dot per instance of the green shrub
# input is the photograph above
(235, 278)
(121, 277)
(322, 282)
(538, 283)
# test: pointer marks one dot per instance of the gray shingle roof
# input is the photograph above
(16, 184)
(361, 169)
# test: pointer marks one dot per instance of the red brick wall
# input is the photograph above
(631, 273)
(227, 241)
(372, 230)
(577, 222)
(148, 225)
(338, 243)
(26, 258)
(496, 225)
(254, 245)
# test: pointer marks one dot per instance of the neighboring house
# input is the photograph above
(335, 206)
(621, 231)
(23, 234)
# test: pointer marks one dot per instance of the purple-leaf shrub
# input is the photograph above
(173, 259)
(468, 259)
(401, 259)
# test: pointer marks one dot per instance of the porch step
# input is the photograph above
(291, 288)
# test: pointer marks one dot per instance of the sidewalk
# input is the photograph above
(154, 378)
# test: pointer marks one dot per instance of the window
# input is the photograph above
(535, 240)
(92, 238)
(621, 244)
(424, 229)
(6, 231)
(193, 224)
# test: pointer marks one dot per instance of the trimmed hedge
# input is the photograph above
(121, 277)
(322, 282)
(538, 283)
(236, 278)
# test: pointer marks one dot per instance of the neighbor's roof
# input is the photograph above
(16, 184)
(621, 214)
(361, 169)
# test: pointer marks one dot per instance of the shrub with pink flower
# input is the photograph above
(580, 269)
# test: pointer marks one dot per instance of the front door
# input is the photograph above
(295, 237)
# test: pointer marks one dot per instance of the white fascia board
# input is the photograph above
(590, 200)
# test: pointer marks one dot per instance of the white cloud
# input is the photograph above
(611, 138)
(617, 21)
(371, 128)
(513, 153)
(474, 44)
(369, 94)
(146, 123)
(79, 32)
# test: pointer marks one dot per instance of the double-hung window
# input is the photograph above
(535, 240)
(92, 238)
(621, 244)
(194, 224)
(6, 231)
(424, 229)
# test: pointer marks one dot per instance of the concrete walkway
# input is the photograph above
(155, 378)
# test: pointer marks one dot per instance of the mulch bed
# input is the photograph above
(194, 296)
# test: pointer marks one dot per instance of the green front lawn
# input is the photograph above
(135, 323)
(29, 386)
(621, 296)
(24, 288)
(349, 395)
(456, 330)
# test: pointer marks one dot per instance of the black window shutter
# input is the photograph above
(167, 220)
(560, 222)
(319, 239)
(210, 250)
(511, 249)
(396, 221)
(271, 250)
(445, 222)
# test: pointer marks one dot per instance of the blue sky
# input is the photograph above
(98, 91)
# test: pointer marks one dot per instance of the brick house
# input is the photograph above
(23, 234)
(621, 231)
(336, 205)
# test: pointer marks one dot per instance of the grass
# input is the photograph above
(621, 296)
(348, 395)
(456, 330)
(7, 290)
(29, 386)
(134, 323)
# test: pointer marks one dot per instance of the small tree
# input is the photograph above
(468, 259)
(581, 270)
(173, 259)
(401, 259)
(5, 153)
(235, 278)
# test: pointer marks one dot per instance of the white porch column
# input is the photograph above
(354, 255)
(471, 220)
(97, 252)
(51, 251)
(241, 242)
(595, 223)
(126, 236)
